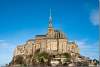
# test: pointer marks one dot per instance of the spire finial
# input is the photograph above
(50, 14)
(60, 24)
(50, 19)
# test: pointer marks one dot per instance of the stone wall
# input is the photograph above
(47, 45)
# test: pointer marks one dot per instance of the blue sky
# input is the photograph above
(21, 20)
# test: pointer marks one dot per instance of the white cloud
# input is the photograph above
(88, 49)
(81, 43)
(84, 44)
(1, 40)
(5, 44)
(6, 50)
(94, 17)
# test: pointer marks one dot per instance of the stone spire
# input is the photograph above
(50, 20)
(50, 27)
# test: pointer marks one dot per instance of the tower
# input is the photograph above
(50, 20)
(50, 27)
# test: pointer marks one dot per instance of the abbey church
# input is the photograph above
(53, 42)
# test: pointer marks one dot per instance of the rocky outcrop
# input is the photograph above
(22, 60)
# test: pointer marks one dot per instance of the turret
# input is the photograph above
(50, 27)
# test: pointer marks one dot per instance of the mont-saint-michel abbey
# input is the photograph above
(53, 42)
(51, 48)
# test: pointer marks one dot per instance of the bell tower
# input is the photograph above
(50, 27)
(50, 20)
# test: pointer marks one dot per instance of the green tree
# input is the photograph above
(41, 57)
(67, 56)
(95, 61)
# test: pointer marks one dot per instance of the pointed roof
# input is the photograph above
(50, 20)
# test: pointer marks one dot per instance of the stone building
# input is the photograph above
(53, 42)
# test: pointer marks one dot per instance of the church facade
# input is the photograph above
(53, 42)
